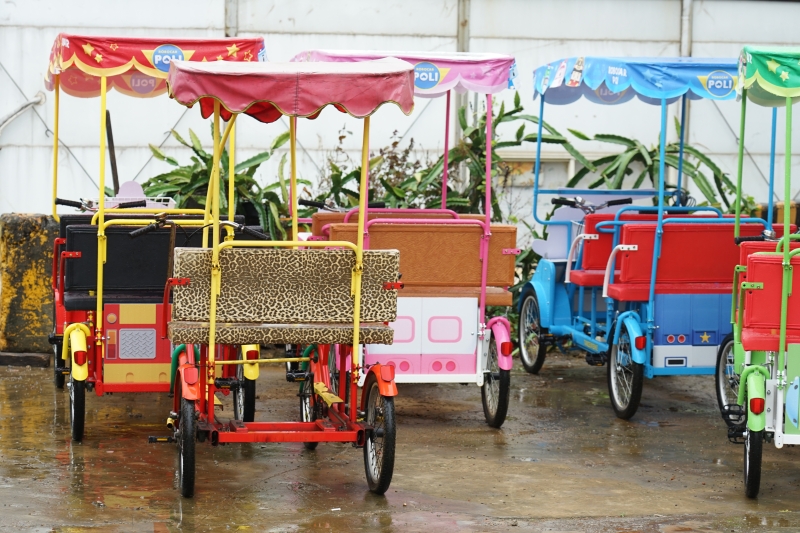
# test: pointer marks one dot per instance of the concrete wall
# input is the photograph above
(534, 31)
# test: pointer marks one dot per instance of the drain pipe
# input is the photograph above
(6, 120)
(686, 28)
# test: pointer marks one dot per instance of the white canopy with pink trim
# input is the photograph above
(268, 90)
(436, 73)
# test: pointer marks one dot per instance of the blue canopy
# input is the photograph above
(615, 80)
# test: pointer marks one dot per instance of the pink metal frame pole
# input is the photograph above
(446, 151)
(487, 208)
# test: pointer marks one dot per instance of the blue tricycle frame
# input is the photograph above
(551, 308)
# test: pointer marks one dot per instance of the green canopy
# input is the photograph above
(770, 75)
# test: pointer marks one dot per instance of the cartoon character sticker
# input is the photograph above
(577, 73)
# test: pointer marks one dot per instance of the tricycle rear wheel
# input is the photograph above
(380, 444)
(753, 448)
(625, 376)
(307, 407)
(59, 365)
(727, 382)
(496, 388)
(244, 399)
(77, 408)
(187, 441)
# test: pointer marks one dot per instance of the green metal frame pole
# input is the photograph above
(739, 165)
(787, 267)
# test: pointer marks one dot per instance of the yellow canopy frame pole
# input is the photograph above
(213, 205)
(207, 216)
(57, 90)
(358, 269)
(293, 185)
(231, 177)
(101, 234)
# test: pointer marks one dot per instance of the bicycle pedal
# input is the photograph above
(160, 440)
(733, 410)
(595, 359)
(736, 434)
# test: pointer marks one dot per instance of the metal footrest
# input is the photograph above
(733, 410)
(595, 359)
(736, 434)
(160, 440)
(227, 383)
(296, 376)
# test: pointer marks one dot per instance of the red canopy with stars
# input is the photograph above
(135, 66)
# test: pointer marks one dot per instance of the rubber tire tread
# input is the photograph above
(249, 400)
(504, 393)
(59, 365)
(381, 485)
(187, 448)
(540, 356)
(752, 478)
(638, 383)
(728, 338)
(77, 410)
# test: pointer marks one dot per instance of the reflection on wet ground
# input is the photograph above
(561, 463)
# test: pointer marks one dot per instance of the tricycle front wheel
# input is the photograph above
(496, 388)
(727, 382)
(753, 448)
(380, 443)
(531, 348)
(187, 440)
(77, 408)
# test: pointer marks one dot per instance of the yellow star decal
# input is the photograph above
(113, 47)
(705, 337)
(98, 58)
(232, 50)
(219, 58)
(73, 80)
(785, 75)
(204, 59)
(88, 49)
(247, 55)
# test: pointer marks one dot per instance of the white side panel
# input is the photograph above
(449, 326)
(684, 356)
(407, 330)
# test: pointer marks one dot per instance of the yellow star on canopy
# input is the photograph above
(232, 50)
(785, 75)
(113, 47)
(220, 58)
(88, 49)
(705, 337)
(98, 58)
(247, 56)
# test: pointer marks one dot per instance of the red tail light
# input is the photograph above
(80, 358)
(506, 348)
(756, 405)
(640, 342)
(252, 354)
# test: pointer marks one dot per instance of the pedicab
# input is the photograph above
(454, 265)
(765, 359)
(108, 288)
(300, 293)
(644, 290)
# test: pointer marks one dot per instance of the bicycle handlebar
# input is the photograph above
(311, 203)
(141, 231)
(69, 203)
(754, 238)
(619, 201)
(564, 201)
(254, 233)
(129, 205)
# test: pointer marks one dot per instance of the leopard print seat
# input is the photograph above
(272, 296)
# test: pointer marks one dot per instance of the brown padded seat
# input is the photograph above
(321, 218)
(442, 260)
(283, 296)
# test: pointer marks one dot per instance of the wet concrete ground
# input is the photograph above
(562, 462)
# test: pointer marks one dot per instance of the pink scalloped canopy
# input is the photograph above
(267, 91)
(436, 72)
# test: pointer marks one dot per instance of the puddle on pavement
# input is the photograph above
(562, 461)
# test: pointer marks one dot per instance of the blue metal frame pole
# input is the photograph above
(680, 149)
(772, 168)
(537, 163)
(662, 149)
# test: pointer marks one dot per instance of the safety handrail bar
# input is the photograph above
(149, 211)
(401, 210)
(573, 247)
(610, 263)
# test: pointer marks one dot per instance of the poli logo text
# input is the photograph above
(426, 75)
(719, 83)
(164, 55)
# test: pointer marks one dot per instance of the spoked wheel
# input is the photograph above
(753, 447)
(625, 377)
(59, 365)
(380, 444)
(244, 400)
(496, 388)
(727, 382)
(531, 348)
(307, 407)
(77, 408)
(187, 441)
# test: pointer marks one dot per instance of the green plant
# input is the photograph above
(636, 159)
(188, 184)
